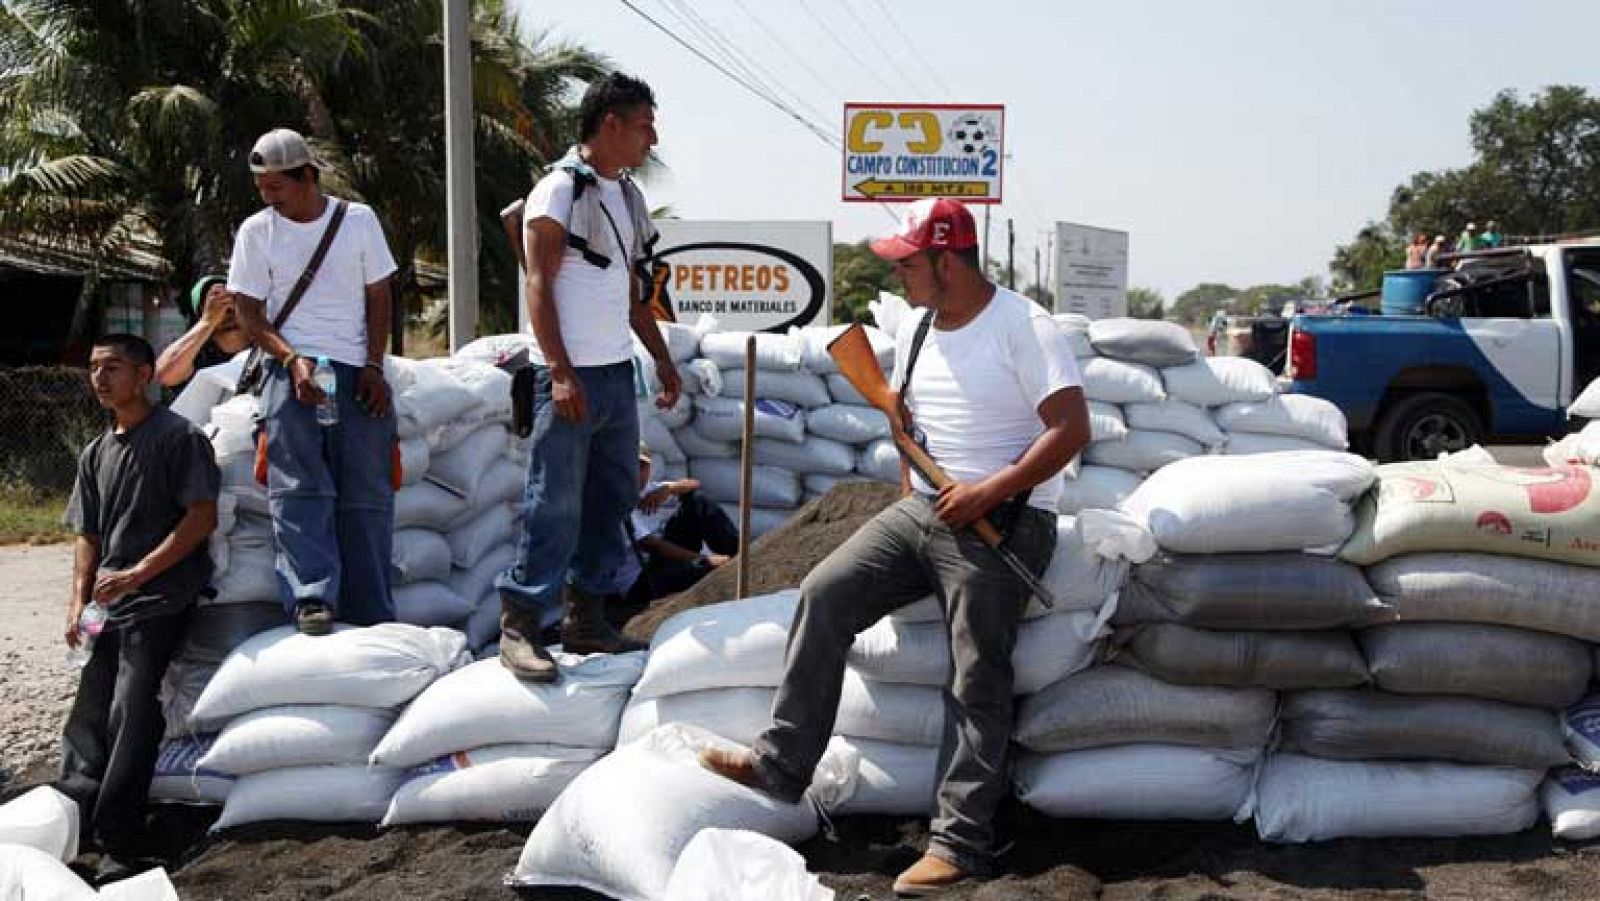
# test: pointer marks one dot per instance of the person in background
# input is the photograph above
(1491, 235)
(1430, 257)
(213, 339)
(586, 227)
(1416, 251)
(1217, 333)
(669, 527)
(330, 485)
(143, 506)
(992, 385)
(1469, 240)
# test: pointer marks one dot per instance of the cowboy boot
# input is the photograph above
(520, 650)
(585, 629)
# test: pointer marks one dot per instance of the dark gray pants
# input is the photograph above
(113, 734)
(901, 555)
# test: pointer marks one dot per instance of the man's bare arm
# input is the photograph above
(253, 319)
(1066, 432)
(511, 220)
(380, 319)
(196, 526)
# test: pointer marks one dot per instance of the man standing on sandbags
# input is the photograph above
(310, 277)
(586, 227)
(143, 506)
(990, 388)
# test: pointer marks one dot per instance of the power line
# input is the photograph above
(916, 52)
(850, 52)
(833, 92)
(774, 102)
(882, 51)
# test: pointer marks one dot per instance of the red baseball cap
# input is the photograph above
(935, 223)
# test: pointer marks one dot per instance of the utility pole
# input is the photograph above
(1038, 277)
(1011, 256)
(986, 248)
(461, 201)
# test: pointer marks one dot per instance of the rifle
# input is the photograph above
(857, 363)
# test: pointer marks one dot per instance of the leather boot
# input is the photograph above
(932, 875)
(520, 650)
(585, 629)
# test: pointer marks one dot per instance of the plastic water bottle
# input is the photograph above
(90, 624)
(328, 381)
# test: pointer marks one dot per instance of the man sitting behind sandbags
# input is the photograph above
(671, 524)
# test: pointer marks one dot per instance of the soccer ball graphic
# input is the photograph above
(973, 133)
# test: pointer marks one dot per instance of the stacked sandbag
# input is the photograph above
(1283, 422)
(298, 716)
(1121, 375)
(621, 826)
(479, 744)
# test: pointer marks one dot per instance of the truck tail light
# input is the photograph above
(1302, 356)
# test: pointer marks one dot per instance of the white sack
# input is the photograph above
(1242, 444)
(1106, 422)
(1215, 381)
(413, 460)
(800, 388)
(1579, 448)
(1048, 649)
(770, 486)
(203, 392)
(28, 873)
(736, 865)
(1119, 382)
(676, 416)
(1303, 799)
(43, 819)
(474, 583)
(1572, 803)
(1138, 782)
(504, 483)
(1293, 415)
(722, 419)
(498, 784)
(849, 423)
(814, 341)
(1542, 595)
(879, 460)
(1279, 591)
(620, 826)
(1176, 416)
(732, 644)
(891, 779)
(695, 446)
(375, 666)
(658, 437)
(1153, 342)
(843, 392)
(890, 312)
(426, 506)
(463, 466)
(470, 541)
(249, 578)
(1143, 451)
(815, 455)
(738, 715)
(1376, 725)
(1277, 660)
(762, 519)
(1271, 502)
(324, 794)
(779, 353)
(178, 777)
(683, 340)
(490, 384)
(418, 554)
(1587, 404)
(295, 735)
(1096, 488)
(483, 626)
(436, 398)
(1580, 725)
(1497, 663)
(484, 704)
(429, 604)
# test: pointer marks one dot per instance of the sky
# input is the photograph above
(1236, 141)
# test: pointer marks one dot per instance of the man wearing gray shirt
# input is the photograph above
(144, 503)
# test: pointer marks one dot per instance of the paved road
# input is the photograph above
(1518, 454)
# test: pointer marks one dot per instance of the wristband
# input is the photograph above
(289, 360)
(377, 366)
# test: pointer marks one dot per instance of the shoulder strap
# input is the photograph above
(312, 265)
(917, 338)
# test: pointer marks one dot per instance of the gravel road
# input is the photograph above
(36, 682)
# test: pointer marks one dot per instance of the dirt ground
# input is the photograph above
(1060, 860)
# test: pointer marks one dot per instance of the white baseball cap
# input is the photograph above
(281, 150)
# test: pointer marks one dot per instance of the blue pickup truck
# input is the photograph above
(1503, 344)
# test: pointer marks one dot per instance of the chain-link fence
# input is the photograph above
(47, 415)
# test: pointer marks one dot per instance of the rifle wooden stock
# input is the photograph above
(859, 365)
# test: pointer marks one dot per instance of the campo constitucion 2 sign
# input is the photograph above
(908, 151)
(750, 276)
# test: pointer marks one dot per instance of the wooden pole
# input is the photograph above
(747, 454)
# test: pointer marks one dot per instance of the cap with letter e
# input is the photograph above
(936, 223)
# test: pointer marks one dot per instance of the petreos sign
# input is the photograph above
(751, 276)
(899, 152)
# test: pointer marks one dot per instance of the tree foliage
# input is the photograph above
(1146, 303)
(858, 276)
(1196, 305)
(1535, 169)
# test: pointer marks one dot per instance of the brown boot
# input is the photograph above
(930, 876)
(520, 650)
(735, 766)
(585, 629)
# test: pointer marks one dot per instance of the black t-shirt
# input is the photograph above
(132, 490)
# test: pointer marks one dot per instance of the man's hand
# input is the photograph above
(717, 561)
(960, 505)
(652, 502)
(671, 383)
(74, 614)
(219, 304)
(567, 392)
(683, 486)
(372, 391)
(112, 585)
(301, 373)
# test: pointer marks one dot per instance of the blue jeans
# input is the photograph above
(583, 480)
(332, 500)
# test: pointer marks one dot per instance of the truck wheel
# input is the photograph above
(1423, 426)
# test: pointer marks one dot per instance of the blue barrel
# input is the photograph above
(1406, 290)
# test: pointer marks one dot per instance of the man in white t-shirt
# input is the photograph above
(586, 230)
(329, 485)
(991, 390)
